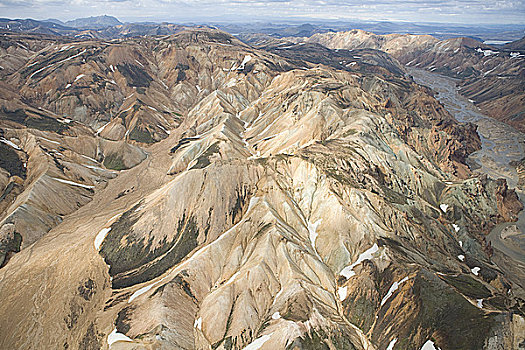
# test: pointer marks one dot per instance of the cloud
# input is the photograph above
(467, 11)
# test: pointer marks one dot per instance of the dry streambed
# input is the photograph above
(501, 146)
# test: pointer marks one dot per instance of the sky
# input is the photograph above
(443, 11)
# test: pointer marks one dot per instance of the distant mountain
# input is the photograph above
(54, 20)
(34, 26)
(516, 45)
(97, 22)
(276, 30)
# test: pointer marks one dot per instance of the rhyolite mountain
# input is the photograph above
(493, 78)
(191, 191)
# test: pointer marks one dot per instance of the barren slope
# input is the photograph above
(288, 204)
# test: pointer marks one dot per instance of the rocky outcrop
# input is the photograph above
(509, 204)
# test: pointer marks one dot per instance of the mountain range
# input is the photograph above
(177, 187)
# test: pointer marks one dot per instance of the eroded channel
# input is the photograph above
(501, 145)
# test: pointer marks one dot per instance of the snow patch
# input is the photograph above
(391, 344)
(479, 303)
(141, 291)
(115, 337)
(392, 289)
(246, 59)
(276, 315)
(80, 76)
(102, 128)
(312, 230)
(475, 270)
(10, 143)
(348, 271)
(461, 257)
(456, 227)
(72, 183)
(342, 292)
(257, 343)
(101, 236)
(429, 345)
(198, 323)
(48, 140)
(163, 129)
(91, 159)
(486, 52)
(460, 244)
(443, 207)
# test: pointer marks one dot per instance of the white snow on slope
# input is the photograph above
(443, 207)
(461, 257)
(456, 227)
(48, 140)
(257, 343)
(91, 159)
(246, 59)
(141, 291)
(114, 337)
(367, 255)
(9, 143)
(312, 231)
(342, 292)
(72, 183)
(429, 345)
(480, 303)
(52, 64)
(198, 323)
(100, 237)
(102, 128)
(80, 76)
(475, 270)
(392, 289)
(486, 52)
(391, 344)
(276, 315)
(163, 129)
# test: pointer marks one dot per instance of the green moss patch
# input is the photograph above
(134, 260)
(10, 161)
(114, 161)
(204, 160)
(34, 120)
(468, 286)
(141, 135)
(135, 75)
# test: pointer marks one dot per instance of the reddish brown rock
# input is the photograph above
(509, 204)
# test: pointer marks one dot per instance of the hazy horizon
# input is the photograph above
(466, 12)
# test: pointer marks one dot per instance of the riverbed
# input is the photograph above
(501, 145)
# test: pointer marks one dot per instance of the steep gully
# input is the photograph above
(501, 145)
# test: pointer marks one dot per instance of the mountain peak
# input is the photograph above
(94, 22)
